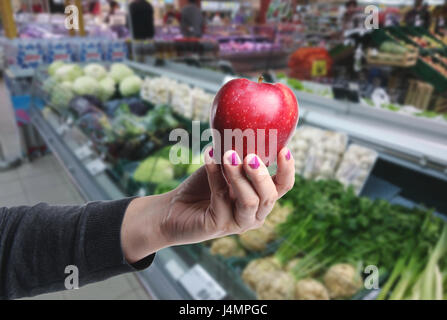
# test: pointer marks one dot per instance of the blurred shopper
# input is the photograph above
(36, 7)
(240, 16)
(217, 20)
(172, 16)
(440, 19)
(142, 19)
(419, 16)
(95, 8)
(353, 17)
(192, 22)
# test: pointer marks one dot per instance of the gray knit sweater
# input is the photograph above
(37, 244)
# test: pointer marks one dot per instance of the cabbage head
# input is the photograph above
(54, 67)
(155, 170)
(86, 85)
(61, 95)
(107, 88)
(130, 86)
(68, 72)
(95, 70)
(119, 71)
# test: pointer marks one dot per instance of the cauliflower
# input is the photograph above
(257, 240)
(227, 247)
(310, 289)
(342, 281)
(257, 269)
(278, 285)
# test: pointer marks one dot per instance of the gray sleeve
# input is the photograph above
(37, 244)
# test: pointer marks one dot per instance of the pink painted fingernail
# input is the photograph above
(288, 155)
(234, 160)
(254, 163)
(211, 153)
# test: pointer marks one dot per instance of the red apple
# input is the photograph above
(244, 104)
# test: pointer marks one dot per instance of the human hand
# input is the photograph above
(217, 200)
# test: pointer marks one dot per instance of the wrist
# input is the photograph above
(141, 233)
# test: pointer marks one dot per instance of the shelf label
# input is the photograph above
(200, 285)
(96, 166)
(319, 68)
(83, 152)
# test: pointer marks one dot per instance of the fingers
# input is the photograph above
(285, 174)
(220, 199)
(246, 198)
(263, 184)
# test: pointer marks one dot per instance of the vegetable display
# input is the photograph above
(318, 238)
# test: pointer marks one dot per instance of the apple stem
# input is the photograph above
(260, 79)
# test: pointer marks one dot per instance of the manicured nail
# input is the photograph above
(288, 155)
(254, 163)
(233, 159)
(211, 153)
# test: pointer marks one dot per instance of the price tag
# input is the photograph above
(200, 285)
(83, 152)
(96, 166)
(319, 68)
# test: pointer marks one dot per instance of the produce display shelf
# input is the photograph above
(416, 143)
(165, 278)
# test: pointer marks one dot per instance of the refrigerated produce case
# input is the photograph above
(411, 169)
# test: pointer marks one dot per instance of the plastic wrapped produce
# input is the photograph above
(201, 103)
(226, 247)
(278, 285)
(356, 166)
(257, 269)
(342, 281)
(301, 143)
(181, 100)
(324, 156)
(192, 103)
(96, 126)
(82, 105)
(158, 90)
(310, 289)
(128, 125)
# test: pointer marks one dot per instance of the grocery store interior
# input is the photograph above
(91, 89)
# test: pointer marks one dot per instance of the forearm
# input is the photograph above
(141, 232)
(38, 243)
